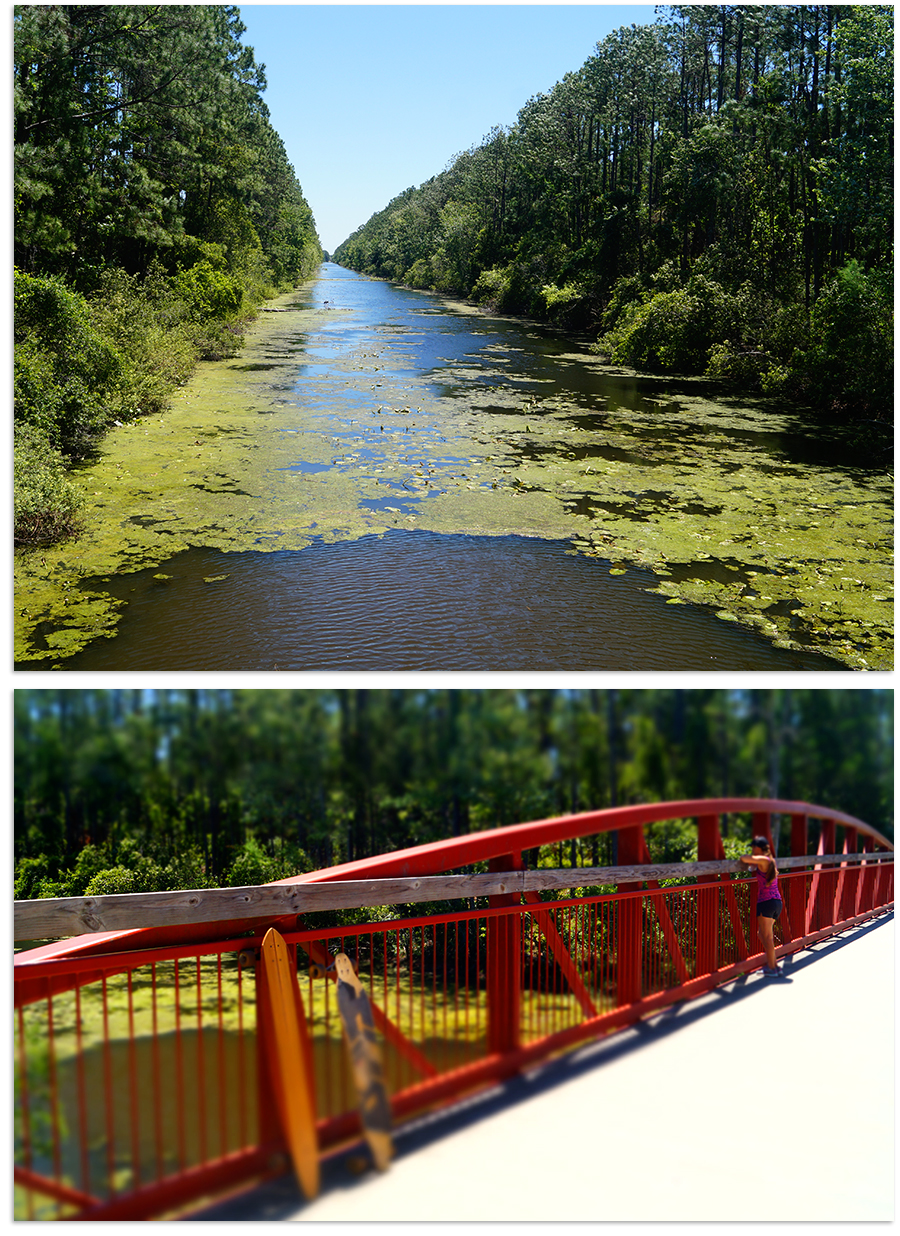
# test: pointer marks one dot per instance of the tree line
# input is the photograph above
(712, 193)
(137, 790)
(155, 209)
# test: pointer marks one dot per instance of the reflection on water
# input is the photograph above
(417, 601)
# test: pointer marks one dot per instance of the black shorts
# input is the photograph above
(769, 909)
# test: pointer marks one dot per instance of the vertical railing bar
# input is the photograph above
(201, 1069)
(557, 975)
(223, 1107)
(546, 985)
(409, 967)
(157, 1085)
(342, 1076)
(572, 949)
(329, 1054)
(82, 1097)
(594, 957)
(107, 1079)
(478, 960)
(467, 992)
(550, 979)
(242, 1071)
(133, 1090)
(54, 1096)
(24, 1096)
(422, 983)
(528, 976)
(456, 991)
(444, 1042)
(434, 983)
(179, 1073)
(397, 999)
(385, 989)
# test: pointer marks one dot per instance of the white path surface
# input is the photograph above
(774, 1101)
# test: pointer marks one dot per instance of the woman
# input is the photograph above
(768, 899)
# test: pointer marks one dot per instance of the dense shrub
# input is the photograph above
(848, 363)
(252, 866)
(674, 330)
(158, 343)
(66, 375)
(420, 274)
(491, 287)
(46, 506)
(113, 880)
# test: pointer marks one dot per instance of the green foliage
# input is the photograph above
(492, 287)
(151, 790)
(673, 330)
(727, 160)
(158, 341)
(420, 274)
(558, 300)
(30, 873)
(252, 866)
(848, 363)
(46, 506)
(155, 209)
(113, 880)
(66, 376)
(209, 293)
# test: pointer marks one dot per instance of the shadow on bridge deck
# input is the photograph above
(788, 1083)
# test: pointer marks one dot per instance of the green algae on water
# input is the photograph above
(282, 446)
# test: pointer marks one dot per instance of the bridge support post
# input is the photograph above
(829, 878)
(504, 965)
(631, 920)
(883, 883)
(709, 848)
(848, 878)
(866, 886)
(795, 889)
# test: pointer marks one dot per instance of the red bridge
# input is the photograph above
(142, 1087)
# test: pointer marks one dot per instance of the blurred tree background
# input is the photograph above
(140, 790)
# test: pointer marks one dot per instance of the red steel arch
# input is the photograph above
(435, 857)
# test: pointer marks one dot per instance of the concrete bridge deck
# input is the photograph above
(766, 1100)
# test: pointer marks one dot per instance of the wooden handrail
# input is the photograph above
(50, 917)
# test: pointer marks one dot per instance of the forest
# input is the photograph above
(711, 194)
(155, 210)
(139, 790)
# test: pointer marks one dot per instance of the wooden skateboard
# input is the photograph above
(365, 1061)
(290, 1059)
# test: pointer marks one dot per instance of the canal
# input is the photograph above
(384, 479)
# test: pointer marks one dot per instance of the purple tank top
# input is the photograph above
(767, 890)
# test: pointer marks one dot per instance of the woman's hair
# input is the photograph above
(762, 844)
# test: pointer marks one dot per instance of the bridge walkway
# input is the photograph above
(766, 1100)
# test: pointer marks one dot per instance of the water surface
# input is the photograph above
(381, 444)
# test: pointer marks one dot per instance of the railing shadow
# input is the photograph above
(281, 1198)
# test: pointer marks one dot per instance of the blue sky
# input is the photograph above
(371, 99)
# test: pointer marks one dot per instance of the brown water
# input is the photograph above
(387, 480)
(418, 601)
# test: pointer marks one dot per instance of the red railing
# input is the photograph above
(142, 1086)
